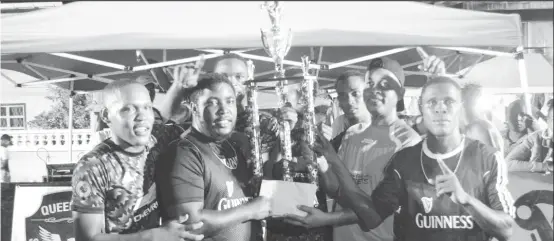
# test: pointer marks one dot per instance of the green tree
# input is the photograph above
(57, 116)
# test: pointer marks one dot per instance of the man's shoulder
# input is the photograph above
(356, 129)
(97, 158)
(535, 136)
(480, 152)
(408, 158)
(406, 134)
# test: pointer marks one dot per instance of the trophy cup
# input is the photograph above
(308, 99)
(276, 42)
(253, 133)
(253, 126)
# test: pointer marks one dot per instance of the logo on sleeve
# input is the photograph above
(427, 204)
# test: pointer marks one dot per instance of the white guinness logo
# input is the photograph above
(229, 188)
(427, 204)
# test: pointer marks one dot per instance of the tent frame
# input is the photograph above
(213, 53)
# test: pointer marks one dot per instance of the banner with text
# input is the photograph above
(533, 195)
(42, 213)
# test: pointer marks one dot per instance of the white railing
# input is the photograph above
(53, 140)
(32, 149)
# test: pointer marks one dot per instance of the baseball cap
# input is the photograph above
(394, 67)
(6, 137)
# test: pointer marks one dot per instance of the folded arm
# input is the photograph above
(90, 227)
(214, 221)
(519, 158)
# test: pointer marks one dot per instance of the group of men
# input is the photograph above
(166, 182)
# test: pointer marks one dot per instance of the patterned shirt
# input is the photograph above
(120, 185)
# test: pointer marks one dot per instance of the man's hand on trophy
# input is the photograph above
(314, 218)
(261, 208)
(186, 75)
(290, 115)
(326, 130)
(323, 148)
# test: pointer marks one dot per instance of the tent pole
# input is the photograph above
(368, 57)
(70, 139)
(35, 71)
(523, 78)
(8, 78)
(172, 62)
(476, 51)
(90, 60)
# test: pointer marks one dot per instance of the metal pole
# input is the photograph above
(524, 82)
(70, 138)
(309, 115)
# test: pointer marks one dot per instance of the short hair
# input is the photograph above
(471, 90)
(114, 89)
(206, 82)
(514, 110)
(440, 80)
(347, 74)
(228, 56)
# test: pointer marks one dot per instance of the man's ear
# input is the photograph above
(194, 108)
(104, 115)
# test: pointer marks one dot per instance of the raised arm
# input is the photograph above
(185, 76)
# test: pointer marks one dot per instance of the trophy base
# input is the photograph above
(287, 196)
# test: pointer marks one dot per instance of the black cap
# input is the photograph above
(6, 137)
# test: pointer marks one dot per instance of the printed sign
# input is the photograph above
(42, 213)
(533, 196)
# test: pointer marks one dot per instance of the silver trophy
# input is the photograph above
(277, 42)
(308, 100)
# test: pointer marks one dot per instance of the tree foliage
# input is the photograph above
(57, 116)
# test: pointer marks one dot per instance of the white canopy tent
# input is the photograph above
(128, 26)
(340, 42)
(118, 37)
(502, 74)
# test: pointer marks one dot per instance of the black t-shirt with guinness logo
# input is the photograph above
(421, 215)
(207, 171)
